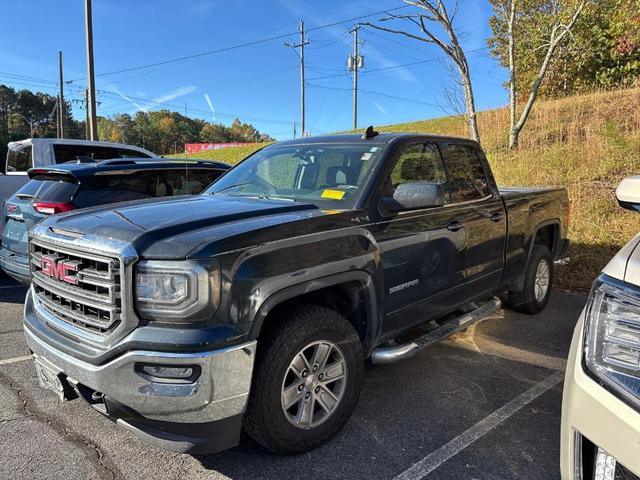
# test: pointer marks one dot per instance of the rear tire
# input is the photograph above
(321, 399)
(538, 278)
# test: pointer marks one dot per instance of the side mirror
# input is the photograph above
(413, 195)
(628, 193)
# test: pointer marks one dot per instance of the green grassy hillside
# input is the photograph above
(586, 143)
(231, 155)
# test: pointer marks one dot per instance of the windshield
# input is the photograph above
(329, 175)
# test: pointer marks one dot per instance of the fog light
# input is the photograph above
(605, 466)
(168, 373)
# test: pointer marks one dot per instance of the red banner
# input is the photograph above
(199, 147)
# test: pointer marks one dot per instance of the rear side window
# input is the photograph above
(137, 185)
(467, 179)
(72, 153)
(19, 159)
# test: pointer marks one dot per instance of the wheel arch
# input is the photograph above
(545, 233)
(352, 294)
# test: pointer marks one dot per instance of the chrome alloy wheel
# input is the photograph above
(542, 281)
(314, 384)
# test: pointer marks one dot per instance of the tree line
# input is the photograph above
(24, 114)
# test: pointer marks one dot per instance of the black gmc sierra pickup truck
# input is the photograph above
(255, 304)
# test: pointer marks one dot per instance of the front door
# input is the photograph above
(422, 251)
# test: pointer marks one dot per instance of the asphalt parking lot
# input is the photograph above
(482, 405)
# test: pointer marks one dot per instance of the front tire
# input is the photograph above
(538, 278)
(307, 380)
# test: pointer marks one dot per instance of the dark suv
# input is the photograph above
(66, 187)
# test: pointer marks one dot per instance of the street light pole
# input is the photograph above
(91, 106)
(30, 122)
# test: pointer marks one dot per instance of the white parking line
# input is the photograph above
(6, 287)
(15, 360)
(436, 458)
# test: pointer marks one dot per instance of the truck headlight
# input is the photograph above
(612, 336)
(177, 291)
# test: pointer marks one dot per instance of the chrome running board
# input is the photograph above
(394, 353)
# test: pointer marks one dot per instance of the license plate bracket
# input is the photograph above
(50, 379)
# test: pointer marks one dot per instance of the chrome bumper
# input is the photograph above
(220, 391)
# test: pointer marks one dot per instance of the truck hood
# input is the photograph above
(180, 227)
(625, 265)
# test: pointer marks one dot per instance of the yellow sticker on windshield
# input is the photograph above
(333, 194)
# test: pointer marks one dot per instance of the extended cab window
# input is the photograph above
(467, 178)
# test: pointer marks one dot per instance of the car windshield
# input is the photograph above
(328, 175)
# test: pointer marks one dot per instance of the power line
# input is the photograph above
(238, 46)
(372, 92)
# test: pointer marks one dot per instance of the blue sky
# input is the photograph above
(258, 84)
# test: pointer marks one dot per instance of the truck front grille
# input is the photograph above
(78, 288)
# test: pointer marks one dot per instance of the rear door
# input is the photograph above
(481, 215)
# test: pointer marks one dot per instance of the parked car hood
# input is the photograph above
(189, 226)
(625, 265)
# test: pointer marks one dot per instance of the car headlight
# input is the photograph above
(612, 336)
(177, 291)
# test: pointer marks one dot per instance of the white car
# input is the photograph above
(600, 437)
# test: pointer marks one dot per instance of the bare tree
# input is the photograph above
(434, 12)
(559, 30)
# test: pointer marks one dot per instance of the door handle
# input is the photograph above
(454, 226)
(496, 217)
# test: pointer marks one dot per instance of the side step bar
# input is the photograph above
(382, 355)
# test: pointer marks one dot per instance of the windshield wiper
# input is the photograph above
(232, 186)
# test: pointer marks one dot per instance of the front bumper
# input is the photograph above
(591, 415)
(199, 417)
(14, 265)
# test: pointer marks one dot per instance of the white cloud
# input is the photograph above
(122, 95)
(177, 93)
(208, 99)
(380, 108)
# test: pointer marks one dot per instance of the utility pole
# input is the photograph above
(355, 62)
(58, 115)
(301, 45)
(86, 111)
(61, 96)
(92, 126)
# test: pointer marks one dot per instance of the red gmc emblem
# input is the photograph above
(59, 270)
(11, 207)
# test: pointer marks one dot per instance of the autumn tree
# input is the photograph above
(529, 33)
